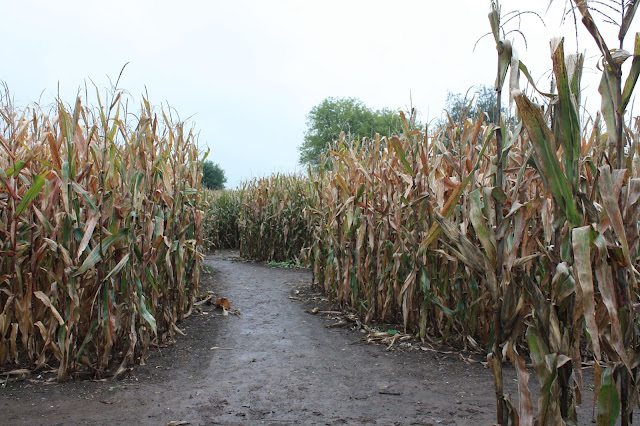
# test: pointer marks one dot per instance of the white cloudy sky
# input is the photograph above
(248, 71)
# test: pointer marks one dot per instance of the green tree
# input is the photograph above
(484, 100)
(213, 176)
(326, 120)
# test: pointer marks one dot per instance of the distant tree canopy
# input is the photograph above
(326, 120)
(484, 100)
(213, 176)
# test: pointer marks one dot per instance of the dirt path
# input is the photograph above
(277, 364)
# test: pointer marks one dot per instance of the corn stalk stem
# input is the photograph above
(497, 320)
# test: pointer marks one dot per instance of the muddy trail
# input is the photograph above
(275, 363)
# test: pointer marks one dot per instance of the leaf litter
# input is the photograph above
(375, 334)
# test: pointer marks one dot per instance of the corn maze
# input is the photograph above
(518, 239)
(101, 224)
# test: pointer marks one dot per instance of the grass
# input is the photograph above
(285, 264)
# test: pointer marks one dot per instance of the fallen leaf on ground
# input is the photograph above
(223, 302)
(203, 301)
(17, 372)
(177, 330)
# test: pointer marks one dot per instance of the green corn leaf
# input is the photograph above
(545, 156)
(147, 315)
(62, 335)
(114, 128)
(608, 399)
(548, 406)
(68, 133)
(87, 338)
(359, 193)
(632, 78)
(118, 267)
(538, 350)
(32, 193)
(524, 70)
(483, 231)
(46, 163)
(547, 317)
(448, 312)
(85, 196)
(95, 254)
(566, 122)
(15, 170)
(575, 67)
(395, 142)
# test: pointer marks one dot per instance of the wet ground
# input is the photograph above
(275, 363)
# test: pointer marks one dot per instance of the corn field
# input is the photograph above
(271, 220)
(400, 230)
(102, 229)
(519, 241)
(221, 219)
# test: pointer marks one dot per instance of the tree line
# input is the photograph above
(333, 116)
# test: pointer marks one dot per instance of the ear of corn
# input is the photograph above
(102, 230)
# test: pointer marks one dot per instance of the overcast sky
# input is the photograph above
(246, 72)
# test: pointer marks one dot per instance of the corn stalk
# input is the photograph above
(221, 219)
(271, 222)
(103, 229)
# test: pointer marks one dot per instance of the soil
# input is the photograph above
(274, 362)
